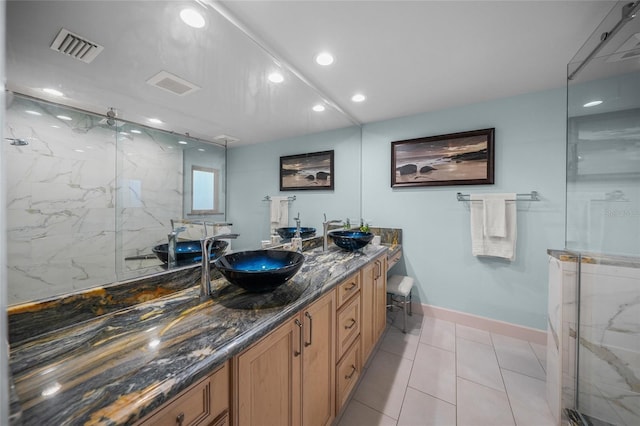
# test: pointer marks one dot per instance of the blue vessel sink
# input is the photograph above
(290, 232)
(189, 251)
(351, 240)
(259, 271)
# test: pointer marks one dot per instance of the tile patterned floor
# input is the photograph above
(441, 373)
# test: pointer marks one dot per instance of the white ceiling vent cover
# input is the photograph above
(75, 46)
(630, 49)
(172, 83)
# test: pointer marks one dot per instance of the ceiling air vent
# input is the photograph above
(628, 50)
(172, 83)
(75, 46)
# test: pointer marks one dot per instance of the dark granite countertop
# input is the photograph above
(118, 367)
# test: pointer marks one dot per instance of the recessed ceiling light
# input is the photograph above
(137, 132)
(318, 108)
(182, 142)
(358, 97)
(64, 117)
(201, 149)
(52, 92)
(276, 77)
(55, 127)
(592, 103)
(155, 121)
(324, 58)
(29, 111)
(192, 17)
(78, 150)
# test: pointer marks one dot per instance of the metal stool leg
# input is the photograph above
(410, 302)
(404, 315)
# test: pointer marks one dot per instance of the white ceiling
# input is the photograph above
(406, 57)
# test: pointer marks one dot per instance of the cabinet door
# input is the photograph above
(201, 404)
(380, 300)
(268, 373)
(318, 362)
(367, 305)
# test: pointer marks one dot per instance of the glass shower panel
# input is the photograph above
(603, 220)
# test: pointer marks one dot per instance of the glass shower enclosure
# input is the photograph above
(603, 222)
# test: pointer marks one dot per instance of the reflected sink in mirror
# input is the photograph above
(188, 252)
(351, 240)
(259, 271)
(290, 232)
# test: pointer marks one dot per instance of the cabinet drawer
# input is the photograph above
(348, 372)
(200, 404)
(348, 323)
(394, 259)
(348, 288)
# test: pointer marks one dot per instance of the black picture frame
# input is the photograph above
(464, 158)
(312, 171)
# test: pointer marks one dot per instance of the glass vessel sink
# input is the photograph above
(290, 232)
(189, 251)
(351, 240)
(259, 271)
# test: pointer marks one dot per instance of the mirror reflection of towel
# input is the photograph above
(493, 225)
(279, 214)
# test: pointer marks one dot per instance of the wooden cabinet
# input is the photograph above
(374, 303)
(380, 298)
(348, 325)
(347, 288)
(348, 373)
(203, 403)
(287, 378)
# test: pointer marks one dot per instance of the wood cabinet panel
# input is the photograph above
(348, 373)
(368, 297)
(348, 326)
(288, 377)
(268, 379)
(200, 404)
(348, 288)
(318, 361)
(380, 298)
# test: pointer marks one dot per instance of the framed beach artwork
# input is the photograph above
(464, 158)
(307, 171)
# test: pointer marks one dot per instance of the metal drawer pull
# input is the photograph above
(353, 322)
(179, 419)
(296, 353)
(351, 287)
(308, 315)
(353, 371)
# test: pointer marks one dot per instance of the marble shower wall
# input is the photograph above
(608, 358)
(71, 218)
(60, 200)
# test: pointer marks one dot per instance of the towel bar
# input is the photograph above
(532, 196)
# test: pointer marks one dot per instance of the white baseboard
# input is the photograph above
(493, 326)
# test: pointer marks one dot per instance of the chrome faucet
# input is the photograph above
(297, 219)
(171, 247)
(206, 243)
(325, 229)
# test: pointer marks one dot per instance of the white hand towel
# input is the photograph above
(483, 244)
(279, 214)
(495, 214)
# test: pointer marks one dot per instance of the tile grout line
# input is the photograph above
(506, 392)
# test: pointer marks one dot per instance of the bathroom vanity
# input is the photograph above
(224, 359)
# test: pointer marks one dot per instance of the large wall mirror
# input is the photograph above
(93, 182)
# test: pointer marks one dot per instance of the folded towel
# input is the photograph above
(493, 227)
(279, 215)
(495, 213)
